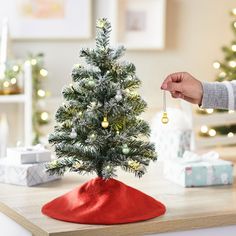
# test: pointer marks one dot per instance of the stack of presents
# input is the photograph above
(26, 166)
(187, 168)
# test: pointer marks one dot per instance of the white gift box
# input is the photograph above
(26, 175)
(174, 138)
(28, 155)
(193, 170)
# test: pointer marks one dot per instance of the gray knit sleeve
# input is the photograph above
(220, 95)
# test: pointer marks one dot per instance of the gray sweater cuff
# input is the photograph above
(215, 95)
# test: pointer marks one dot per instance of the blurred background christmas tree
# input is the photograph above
(40, 114)
(226, 71)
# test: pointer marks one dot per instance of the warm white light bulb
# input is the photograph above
(43, 72)
(15, 68)
(233, 47)
(204, 129)
(234, 11)
(235, 24)
(222, 74)
(212, 132)
(6, 84)
(13, 81)
(210, 110)
(44, 115)
(33, 62)
(230, 134)
(216, 65)
(232, 64)
(41, 93)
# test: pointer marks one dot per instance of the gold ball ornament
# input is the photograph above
(164, 118)
(105, 123)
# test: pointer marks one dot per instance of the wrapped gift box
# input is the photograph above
(173, 139)
(27, 174)
(173, 143)
(193, 170)
(28, 155)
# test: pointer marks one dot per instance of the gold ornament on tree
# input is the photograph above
(105, 122)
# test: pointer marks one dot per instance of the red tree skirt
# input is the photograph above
(104, 202)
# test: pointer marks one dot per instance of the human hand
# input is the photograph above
(185, 86)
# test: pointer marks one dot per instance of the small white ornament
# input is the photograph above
(118, 96)
(73, 134)
(125, 149)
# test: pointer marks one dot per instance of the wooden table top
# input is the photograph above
(186, 208)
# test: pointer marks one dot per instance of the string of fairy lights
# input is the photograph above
(226, 71)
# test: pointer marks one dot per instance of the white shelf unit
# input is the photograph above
(215, 119)
(26, 100)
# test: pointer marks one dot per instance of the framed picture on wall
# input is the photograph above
(137, 24)
(44, 19)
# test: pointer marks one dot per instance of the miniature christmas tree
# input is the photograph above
(98, 128)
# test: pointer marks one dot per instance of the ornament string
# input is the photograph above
(164, 101)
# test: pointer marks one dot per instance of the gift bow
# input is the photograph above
(191, 157)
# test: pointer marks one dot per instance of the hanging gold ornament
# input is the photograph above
(164, 118)
(105, 122)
